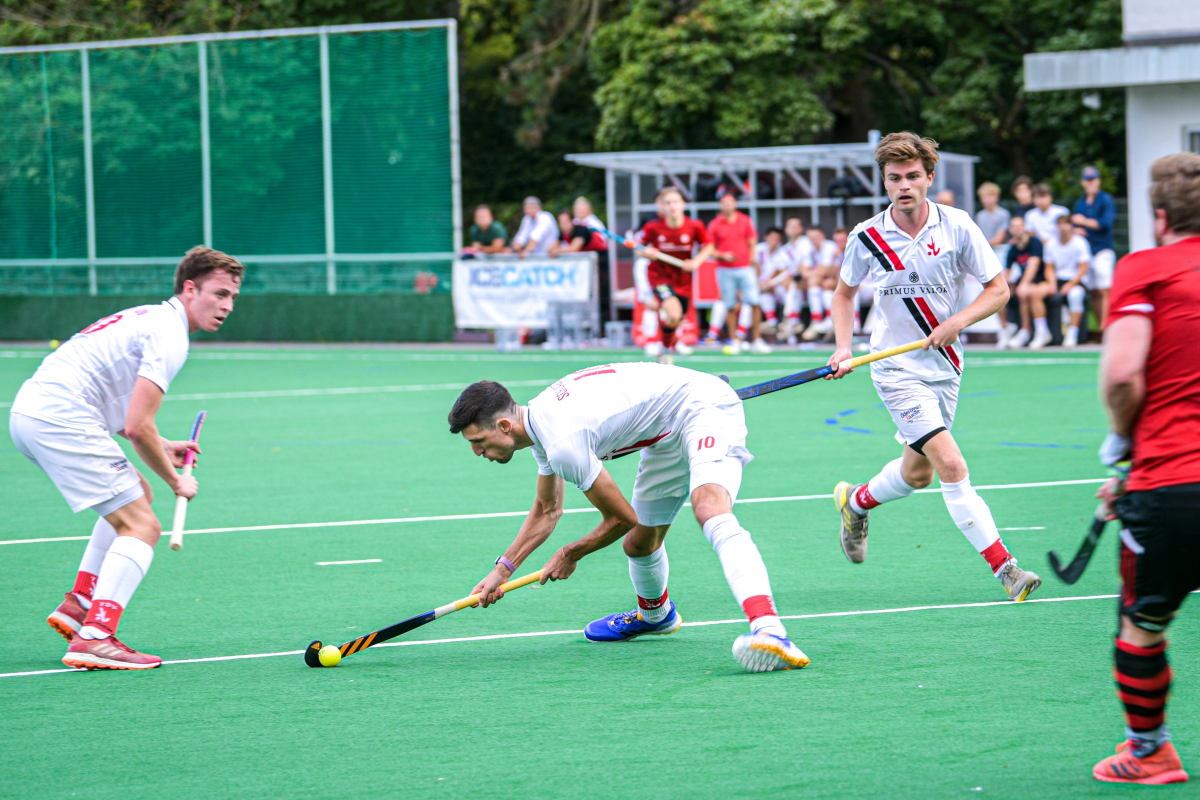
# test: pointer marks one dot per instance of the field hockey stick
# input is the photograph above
(632, 245)
(1072, 572)
(788, 381)
(181, 503)
(312, 658)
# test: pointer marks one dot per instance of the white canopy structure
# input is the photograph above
(777, 183)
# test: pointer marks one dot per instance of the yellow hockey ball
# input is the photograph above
(54, 344)
(330, 656)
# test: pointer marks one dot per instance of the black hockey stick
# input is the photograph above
(1072, 572)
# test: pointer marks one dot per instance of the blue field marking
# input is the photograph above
(1050, 446)
(855, 430)
(836, 420)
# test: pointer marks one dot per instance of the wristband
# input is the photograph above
(508, 565)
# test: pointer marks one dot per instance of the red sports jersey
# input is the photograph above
(732, 237)
(676, 242)
(1163, 284)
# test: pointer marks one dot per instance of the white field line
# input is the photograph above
(358, 561)
(499, 514)
(530, 634)
(1033, 528)
(595, 356)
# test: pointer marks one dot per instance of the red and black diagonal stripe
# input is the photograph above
(923, 314)
(882, 251)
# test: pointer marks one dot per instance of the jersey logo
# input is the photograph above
(914, 277)
(934, 250)
(101, 324)
(684, 238)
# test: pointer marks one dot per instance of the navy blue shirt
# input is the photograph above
(1104, 211)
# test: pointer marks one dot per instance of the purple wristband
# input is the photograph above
(508, 565)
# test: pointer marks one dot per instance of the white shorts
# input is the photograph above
(735, 279)
(920, 409)
(1100, 271)
(87, 466)
(710, 449)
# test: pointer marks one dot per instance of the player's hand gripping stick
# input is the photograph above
(632, 245)
(312, 652)
(788, 381)
(181, 503)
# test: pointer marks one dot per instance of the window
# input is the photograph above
(1191, 139)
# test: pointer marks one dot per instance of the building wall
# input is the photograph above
(1156, 118)
(1145, 19)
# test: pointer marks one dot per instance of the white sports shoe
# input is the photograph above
(811, 332)
(769, 325)
(826, 324)
(786, 328)
(1006, 335)
(1071, 337)
(734, 347)
(652, 349)
(760, 348)
(1040, 340)
(1019, 341)
(763, 652)
(682, 349)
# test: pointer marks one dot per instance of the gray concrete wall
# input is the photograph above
(1156, 118)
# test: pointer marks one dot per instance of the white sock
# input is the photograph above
(1073, 331)
(649, 323)
(745, 316)
(124, 566)
(827, 299)
(103, 535)
(974, 519)
(1040, 327)
(716, 318)
(791, 303)
(649, 576)
(815, 305)
(746, 573)
(885, 487)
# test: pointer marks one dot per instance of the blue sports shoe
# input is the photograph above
(630, 625)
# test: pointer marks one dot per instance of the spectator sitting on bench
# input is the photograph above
(1028, 272)
(1067, 259)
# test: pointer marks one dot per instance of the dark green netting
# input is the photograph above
(390, 146)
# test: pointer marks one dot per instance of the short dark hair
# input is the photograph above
(904, 146)
(1042, 190)
(773, 229)
(200, 262)
(1175, 188)
(483, 207)
(1022, 180)
(478, 405)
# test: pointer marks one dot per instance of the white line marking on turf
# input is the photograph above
(499, 514)
(1033, 528)
(359, 561)
(530, 634)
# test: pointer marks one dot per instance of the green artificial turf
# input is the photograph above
(984, 700)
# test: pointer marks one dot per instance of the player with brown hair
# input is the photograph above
(674, 234)
(109, 380)
(1150, 383)
(918, 254)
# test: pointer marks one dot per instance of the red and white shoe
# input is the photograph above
(1161, 766)
(68, 618)
(108, 653)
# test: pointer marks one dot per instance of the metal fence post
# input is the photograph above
(88, 180)
(327, 158)
(455, 168)
(205, 146)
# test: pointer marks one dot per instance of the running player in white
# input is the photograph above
(691, 432)
(109, 380)
(918, 253)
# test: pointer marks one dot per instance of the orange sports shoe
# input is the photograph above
(68, 618)
(110, 653)
(1161, 766)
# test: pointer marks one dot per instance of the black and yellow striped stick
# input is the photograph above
(353, 646)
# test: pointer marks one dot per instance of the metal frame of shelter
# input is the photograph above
(330, 256)
(802, 172)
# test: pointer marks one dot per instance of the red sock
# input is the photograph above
(863, 498)
(85, 584)
(650, 605)
(761, 605)
(1143, 683)
(104, 616)
(996, 555)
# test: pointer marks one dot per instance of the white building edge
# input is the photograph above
(1159, 68)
